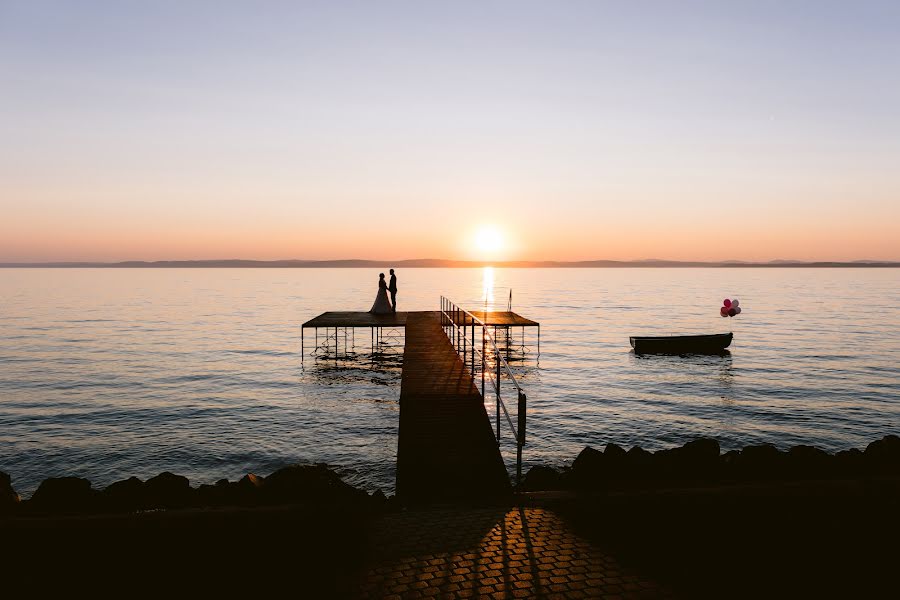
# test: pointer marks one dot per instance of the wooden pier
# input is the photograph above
(446, 448)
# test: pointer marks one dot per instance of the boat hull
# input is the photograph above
(682, 344)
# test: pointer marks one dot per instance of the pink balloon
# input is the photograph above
(737, 309)
(735, 303)
(727, 303)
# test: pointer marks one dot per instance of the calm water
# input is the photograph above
(111, 373)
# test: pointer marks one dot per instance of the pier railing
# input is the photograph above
(460, 326)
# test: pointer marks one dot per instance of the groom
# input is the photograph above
(392, 288)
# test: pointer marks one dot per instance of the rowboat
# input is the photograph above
(682, 344)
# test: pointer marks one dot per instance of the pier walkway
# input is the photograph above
(446, 445)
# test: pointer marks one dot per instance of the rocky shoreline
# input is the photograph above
(696, 463)
(700, 462)
(313, 485)
(757, 522)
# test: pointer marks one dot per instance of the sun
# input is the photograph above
(488, 240)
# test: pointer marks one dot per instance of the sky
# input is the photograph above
(463, 130)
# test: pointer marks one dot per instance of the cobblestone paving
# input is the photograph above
(491, 553)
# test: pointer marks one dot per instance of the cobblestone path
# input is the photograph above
(491, 553)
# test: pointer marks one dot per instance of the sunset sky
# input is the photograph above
(501, 130)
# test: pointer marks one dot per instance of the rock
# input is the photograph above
(731, 458)
(701, 450)
(615, 459)
(168, 490)
(729, 465)
(247, 491)
(595, 470)
(306, 484)
(761, 462)
(588, 460)
(849, 463)
(697, 460)
(614, 452)
(251, 481)
(64, 495)
(393, 504)
(640, 465)
(807, 462)
(540, 478)
(214, 495)
(9, 499)
(378, 498)
(122, 496)
(883, 456)
(638, 455)
(244, 492)
(588, 469)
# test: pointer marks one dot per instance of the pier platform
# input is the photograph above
(363, 320)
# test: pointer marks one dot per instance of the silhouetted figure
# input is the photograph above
(392, 288)
(382, 305)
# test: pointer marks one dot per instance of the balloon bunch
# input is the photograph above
(730, 308)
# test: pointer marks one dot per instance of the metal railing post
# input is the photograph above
(497, 358)
(520, 438)
(483, 360)
(465, 344)
(473, 348)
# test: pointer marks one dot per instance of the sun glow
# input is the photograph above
(488, 241)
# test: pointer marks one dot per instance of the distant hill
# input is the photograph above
(442, 263)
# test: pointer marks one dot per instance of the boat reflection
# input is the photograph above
(722, 358)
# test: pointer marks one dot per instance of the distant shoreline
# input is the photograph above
(444, 264)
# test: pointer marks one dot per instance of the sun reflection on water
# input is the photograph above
(487, 286)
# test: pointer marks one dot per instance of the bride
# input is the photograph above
(382, 305)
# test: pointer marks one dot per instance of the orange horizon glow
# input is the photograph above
(99, 242)
(387, 133)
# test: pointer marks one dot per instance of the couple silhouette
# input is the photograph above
(382, 305)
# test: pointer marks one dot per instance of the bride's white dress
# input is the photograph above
(382, 304)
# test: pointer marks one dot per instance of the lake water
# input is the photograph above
(108, 373)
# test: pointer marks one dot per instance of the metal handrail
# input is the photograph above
(452, 313)
(491, 376)
(485, 329)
